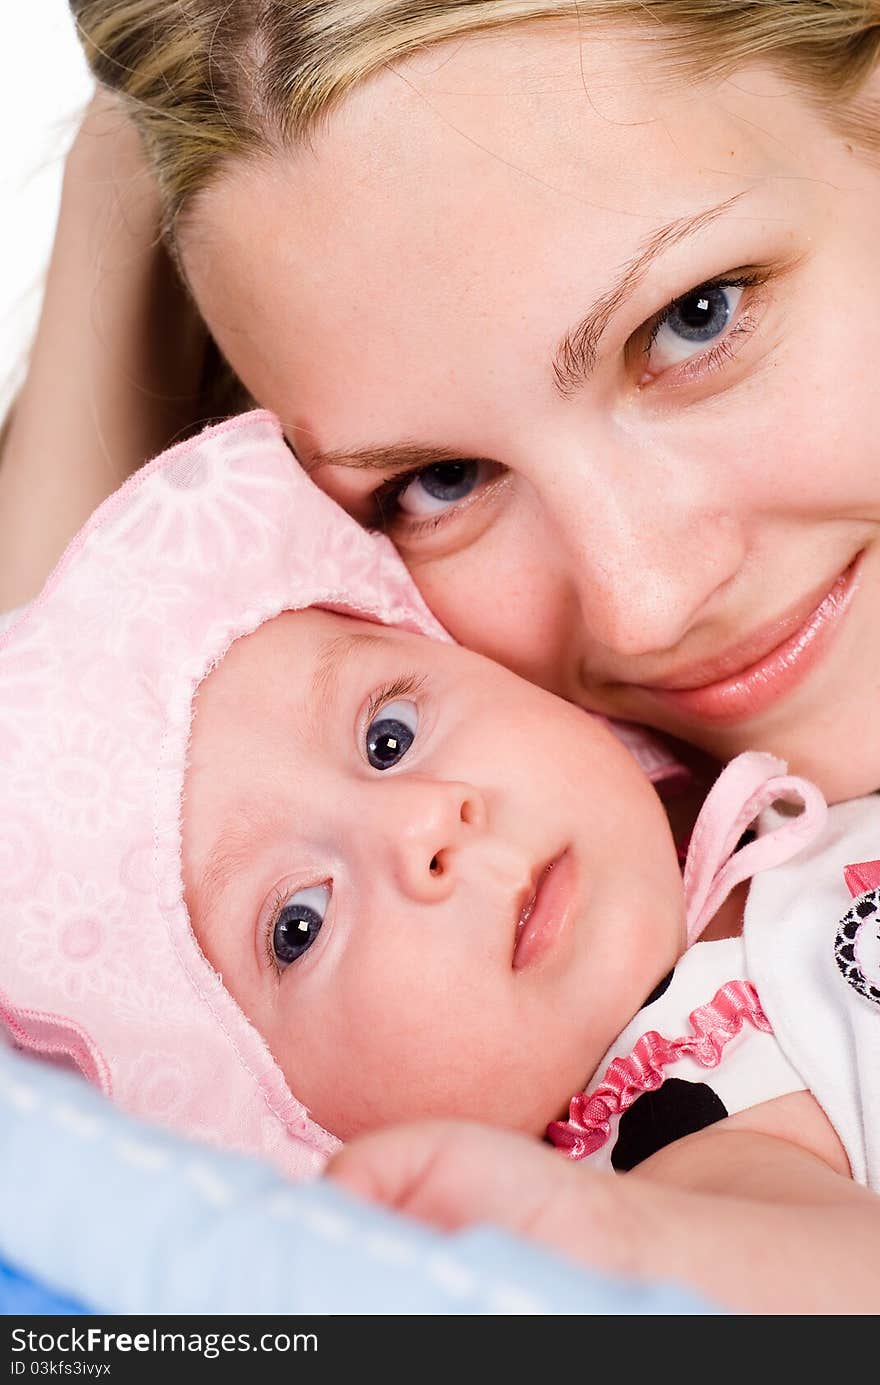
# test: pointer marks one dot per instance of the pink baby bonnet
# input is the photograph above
(99, 963)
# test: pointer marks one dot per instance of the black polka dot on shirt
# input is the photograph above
(659, 989)
(656, 1119)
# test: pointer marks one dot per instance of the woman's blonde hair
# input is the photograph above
(208, 81)
(211, 81)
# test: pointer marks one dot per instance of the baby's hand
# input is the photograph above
(760, 1225)
(454, 1173)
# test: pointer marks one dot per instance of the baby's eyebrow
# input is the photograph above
(255, 821)
(228, 856)
(332, 659)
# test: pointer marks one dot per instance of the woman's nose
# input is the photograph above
(425, 824)
(646, 557)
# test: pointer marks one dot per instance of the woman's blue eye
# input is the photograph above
(437, 487)
(695, 320)
(701, 315)
(298, 923)
(391, 733)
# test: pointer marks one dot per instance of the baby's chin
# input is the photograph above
(534, 1122)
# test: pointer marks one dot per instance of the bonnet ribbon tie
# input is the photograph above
(748, 785)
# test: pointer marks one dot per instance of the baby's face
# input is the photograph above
(434, 888)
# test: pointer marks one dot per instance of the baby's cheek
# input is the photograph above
(348, 1066)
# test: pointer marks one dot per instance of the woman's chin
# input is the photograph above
(840, 756)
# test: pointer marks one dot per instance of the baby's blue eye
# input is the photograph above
(299, 923)
(391, 733)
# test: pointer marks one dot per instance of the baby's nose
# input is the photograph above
(426, 826)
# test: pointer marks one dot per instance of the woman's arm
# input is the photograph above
(115, 367)
(770, 1228)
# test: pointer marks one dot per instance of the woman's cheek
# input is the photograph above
(500, 600)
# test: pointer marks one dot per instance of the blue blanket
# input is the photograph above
(101, 1211)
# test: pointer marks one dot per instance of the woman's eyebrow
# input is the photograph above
(575, 357)
(573, 362)
(385, 457)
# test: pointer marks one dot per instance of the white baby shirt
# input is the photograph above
(813, 953)
(793, 1003)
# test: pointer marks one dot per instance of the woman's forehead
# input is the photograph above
(549, 116)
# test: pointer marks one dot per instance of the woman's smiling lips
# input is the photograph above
(546, 911)
(750, 677)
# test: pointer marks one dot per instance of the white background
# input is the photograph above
(44, 85)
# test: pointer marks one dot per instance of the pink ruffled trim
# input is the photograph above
(714, 1025)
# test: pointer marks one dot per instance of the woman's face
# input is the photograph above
(599, 352)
